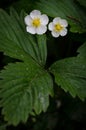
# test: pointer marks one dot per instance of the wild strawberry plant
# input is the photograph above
(27, 84)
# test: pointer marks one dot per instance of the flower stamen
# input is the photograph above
(58, 27)
(36, 22)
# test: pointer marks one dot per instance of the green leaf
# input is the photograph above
(27, 5)
(66, 9)
(70, 74)
(82, 50)
(24, 86)
(13, 33)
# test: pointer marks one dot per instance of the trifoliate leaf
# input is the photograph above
(67, 9)
(70, 74)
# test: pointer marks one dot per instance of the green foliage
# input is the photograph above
(67, 9)
(27, 5)
(82, 51)
(25, 87)
(70, 73)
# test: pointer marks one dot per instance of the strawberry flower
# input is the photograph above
(58, 27)
(36, 22)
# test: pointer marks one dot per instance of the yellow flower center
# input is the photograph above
(58, 27)
(36, 22)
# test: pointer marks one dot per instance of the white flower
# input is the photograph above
(36, 22)
(58, 27)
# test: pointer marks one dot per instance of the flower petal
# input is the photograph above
(51, 26)
(41, 30)
(35, 13)
(28, 20)
(31, 29)
(55, 34)
(63, 22)
(44, 19)
(63, 32)
(56, 20)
